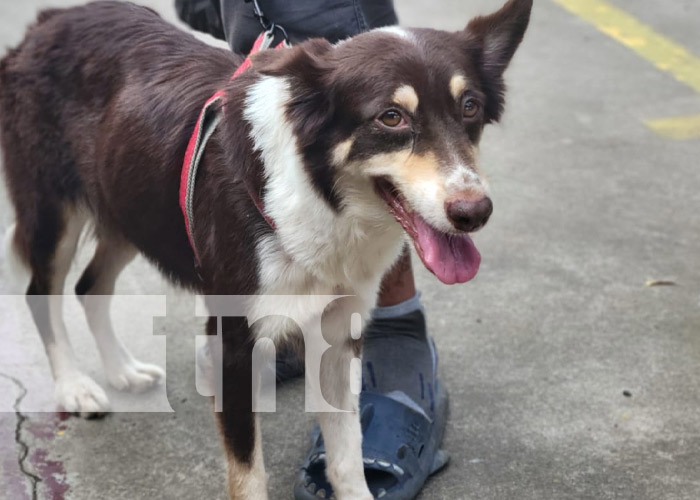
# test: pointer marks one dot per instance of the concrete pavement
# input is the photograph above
(569, 378)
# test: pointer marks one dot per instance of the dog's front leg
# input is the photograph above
(237, 422)
(341, 430)
(344, 469)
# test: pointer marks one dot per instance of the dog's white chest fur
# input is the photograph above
(314, 250)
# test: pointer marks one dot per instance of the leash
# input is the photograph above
(209, 118)
(266, 24)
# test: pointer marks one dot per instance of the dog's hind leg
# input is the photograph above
(51, 242)
(95, 289)
(13, 266)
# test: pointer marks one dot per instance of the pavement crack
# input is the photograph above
(23, 447)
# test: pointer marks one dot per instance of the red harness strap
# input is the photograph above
(209, 118)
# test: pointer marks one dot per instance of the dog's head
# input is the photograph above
(399, 112)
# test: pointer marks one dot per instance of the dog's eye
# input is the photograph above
(391, 118)
(471, 108)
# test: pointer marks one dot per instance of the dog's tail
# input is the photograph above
(13, 263)
(14, 266)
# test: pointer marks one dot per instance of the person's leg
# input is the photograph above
(302, 19)
(378, 13)
(201, 15)
(398, 284)
(398, 357)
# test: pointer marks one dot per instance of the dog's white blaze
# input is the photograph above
(461, 178)
(398, 31)
(467, 177)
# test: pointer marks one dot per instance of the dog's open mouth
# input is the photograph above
(453, 258)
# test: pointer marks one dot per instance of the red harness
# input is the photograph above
(209, 118)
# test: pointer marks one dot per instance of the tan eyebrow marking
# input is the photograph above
(458, 84)
(406, 96)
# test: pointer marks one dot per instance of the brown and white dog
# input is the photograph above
(341, 141)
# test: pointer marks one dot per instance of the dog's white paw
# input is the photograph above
(135, 376)
(77, 393)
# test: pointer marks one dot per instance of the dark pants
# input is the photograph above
(302, 19)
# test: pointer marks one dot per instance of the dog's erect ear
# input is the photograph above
(497, 36)
(500, 33)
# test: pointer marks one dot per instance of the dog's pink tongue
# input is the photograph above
(453, 258)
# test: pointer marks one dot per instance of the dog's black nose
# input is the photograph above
(467, 215)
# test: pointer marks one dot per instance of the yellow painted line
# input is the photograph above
(680, 128)
(663, 52)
